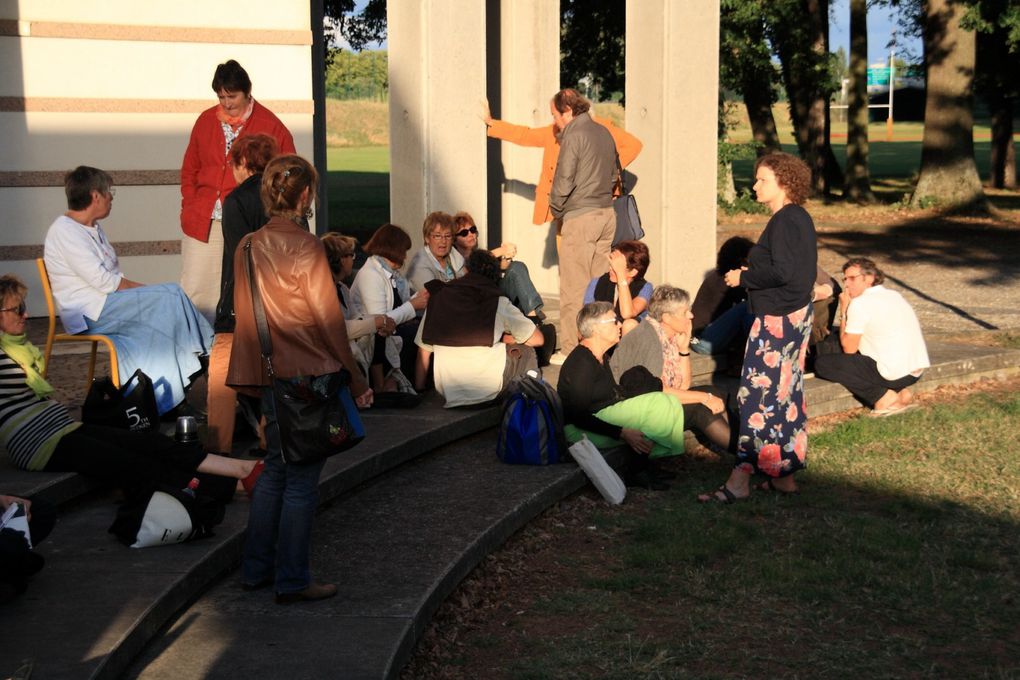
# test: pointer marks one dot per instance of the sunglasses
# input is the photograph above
(19, 310)
(470, 230)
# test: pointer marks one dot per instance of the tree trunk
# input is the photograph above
(1003, 155)
(802, 53)
(763, 123)
(949, 175)
(858, 178)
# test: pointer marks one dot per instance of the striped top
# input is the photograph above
(30, 427)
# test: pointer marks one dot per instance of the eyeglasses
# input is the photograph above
(445, 236)
(470, 230)
(19, 310)
(607, 321)
(852, 277)
(342, 257)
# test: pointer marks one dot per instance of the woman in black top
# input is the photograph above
(242, 214)
(637, 412)
(779, 280)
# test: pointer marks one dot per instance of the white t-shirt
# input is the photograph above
(472, 375)
(83, 270)
(890, 333)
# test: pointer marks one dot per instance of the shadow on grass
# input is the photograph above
(892, 563)
(358, 202)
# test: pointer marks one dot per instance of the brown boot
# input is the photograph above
(316, 591)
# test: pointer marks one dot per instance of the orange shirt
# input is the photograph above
(627, 147)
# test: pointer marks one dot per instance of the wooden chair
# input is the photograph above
(53, 337)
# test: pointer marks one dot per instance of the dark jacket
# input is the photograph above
(306, 324)
(586, 170)
(242, 214)
(783, 264)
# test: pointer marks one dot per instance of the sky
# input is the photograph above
(881, 23)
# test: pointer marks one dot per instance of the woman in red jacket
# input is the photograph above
(207, 179)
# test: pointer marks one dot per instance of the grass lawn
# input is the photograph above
(359, 189)
(900, 559)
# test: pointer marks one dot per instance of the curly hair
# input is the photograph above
(482, 262)
(792, 175)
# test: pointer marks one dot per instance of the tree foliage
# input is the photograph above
(361, 75)
(357, 29)
(592, 35)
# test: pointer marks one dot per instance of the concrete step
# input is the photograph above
(396, 549)
(97, 604)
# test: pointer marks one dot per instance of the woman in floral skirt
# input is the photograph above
(779, 279)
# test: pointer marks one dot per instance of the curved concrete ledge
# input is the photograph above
(97, 604)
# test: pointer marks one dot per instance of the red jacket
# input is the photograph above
(206, 172)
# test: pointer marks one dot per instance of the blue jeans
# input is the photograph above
(516, 284)
(717, 336)
(280, 519)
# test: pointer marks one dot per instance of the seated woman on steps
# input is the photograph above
(624, 285)
(662, 345)
(640, 415)
(38, 433)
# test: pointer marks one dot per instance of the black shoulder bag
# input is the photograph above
(316, 414)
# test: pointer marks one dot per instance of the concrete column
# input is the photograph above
(437, 73)
(672, 107)
(529, 77)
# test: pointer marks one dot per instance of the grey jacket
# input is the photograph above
(586, 170)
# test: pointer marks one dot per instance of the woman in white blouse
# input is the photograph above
(155, 328)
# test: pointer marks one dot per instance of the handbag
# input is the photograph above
(131, 407)
(316, 413)
(601, 475)
(628, 220)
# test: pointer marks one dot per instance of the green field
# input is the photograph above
(359, 189)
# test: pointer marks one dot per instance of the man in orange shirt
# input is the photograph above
(548, 139)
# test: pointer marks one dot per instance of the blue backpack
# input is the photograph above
(531, 429)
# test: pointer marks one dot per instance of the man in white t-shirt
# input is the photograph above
(477, 340)
(883, 350)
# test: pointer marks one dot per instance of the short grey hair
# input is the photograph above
(666, 299)
(587, 316)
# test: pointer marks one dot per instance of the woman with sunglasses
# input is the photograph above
(516, 282)
(38, 432)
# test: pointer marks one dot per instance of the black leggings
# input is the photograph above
(129, 460)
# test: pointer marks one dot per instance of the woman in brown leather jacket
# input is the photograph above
(309, 337)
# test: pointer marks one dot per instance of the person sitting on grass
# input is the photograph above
(480, 341)
(881, 350)
(624, 285)
(638, 413)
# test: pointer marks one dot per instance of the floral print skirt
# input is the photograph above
(773, 422)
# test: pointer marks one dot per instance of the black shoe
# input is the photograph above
(644, 480)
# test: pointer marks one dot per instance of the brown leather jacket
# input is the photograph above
(306, 324)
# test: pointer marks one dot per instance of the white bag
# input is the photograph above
(601, 475)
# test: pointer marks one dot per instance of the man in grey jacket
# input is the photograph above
(581, 199)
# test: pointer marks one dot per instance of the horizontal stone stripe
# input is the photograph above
(190, 34)
(10, 104)
(55, 178)
(123, 248)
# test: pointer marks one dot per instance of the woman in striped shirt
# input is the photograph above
(38, 433)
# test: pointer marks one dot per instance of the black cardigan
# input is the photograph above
(242, 214)
(782, 266)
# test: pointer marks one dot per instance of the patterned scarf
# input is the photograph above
(670, 355)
